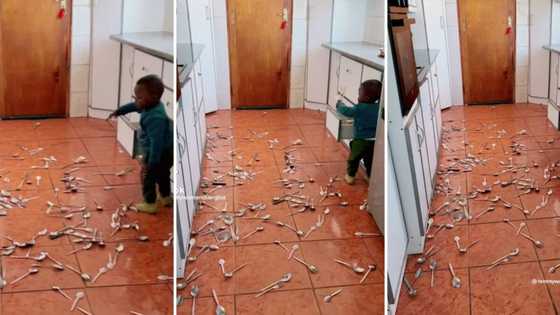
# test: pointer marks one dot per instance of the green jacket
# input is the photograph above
(365, 118)
(156, 135)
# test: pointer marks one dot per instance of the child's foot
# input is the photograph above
(166, 201)
(145, 207)
(349, 179)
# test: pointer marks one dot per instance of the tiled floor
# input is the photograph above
(133, 284)
(319, 157)
(487, 133)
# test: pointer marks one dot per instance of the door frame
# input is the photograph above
(234, 104)
(65, 73)
(462, 48)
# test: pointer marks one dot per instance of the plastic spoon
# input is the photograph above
(220, 310)
(455, 282)
(194, 293)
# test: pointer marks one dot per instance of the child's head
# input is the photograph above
(370, 91)
(148, 91)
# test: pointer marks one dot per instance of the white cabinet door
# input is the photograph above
(334, 77)
(428, 128)
(167, 100)
(145, 64)
(418, 170)
(318, 32)
(333, 124)
(168, 75)
(127, 75)
(200, 15)
(371, 74)
(350, 78)
(105, 54)
(191, 137)
(125, 135)
(198, 84)
(424, 157)
(554, 77)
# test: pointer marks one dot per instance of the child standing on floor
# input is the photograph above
(365, 115)
(156, 139)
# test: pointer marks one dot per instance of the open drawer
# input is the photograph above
(128, 134)
(341, 127)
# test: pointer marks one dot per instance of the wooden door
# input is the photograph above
(34, 58)
(487, 31)
(260, 52)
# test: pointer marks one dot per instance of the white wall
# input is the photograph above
(349, 20)
(555, 32)
(522, 52)
(522, 49)
(80, 59)
(147, 16)
(221, 54)
(375, 22)
(539, 35)
(299, 53)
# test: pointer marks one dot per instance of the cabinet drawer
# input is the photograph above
(350, 78)
(168, 74)
(340, 128)
(127, 75)
(127, 136)
(167, 100)
(145, 64)
(198, 80)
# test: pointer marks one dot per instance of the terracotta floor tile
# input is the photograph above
(93, 128)
(441, 299)
(132, 175)
(90, 173)
(496, 240)
(508, 289)
(260, 273)
(547, 231)
(323, 253)
(271, 230)
(331, 154)
(140, 263)
(212, 277)
(47, 276)
(341, 223)
(364, 299)
(145, 299)
(41, 302)
(448, 253)
(128, 193)
(284, 302)
(16, 177)
(551, 209)
(206, 306)
(14, 229)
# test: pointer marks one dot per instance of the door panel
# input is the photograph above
(260, 52)
(487, 30)
(34, 46)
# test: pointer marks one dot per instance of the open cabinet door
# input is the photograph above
(34, 54)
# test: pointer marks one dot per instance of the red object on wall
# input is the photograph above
(61, 13)
(508, 30)
(283, 25)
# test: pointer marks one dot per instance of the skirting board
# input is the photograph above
(315, 106)
(538, 100)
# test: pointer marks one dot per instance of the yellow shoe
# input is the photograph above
(166, 201)
(349, 179)
(145, 207)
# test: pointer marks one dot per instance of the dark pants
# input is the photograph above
(360, 149)
(158, 174)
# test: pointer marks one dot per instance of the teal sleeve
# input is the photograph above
(125, 109)
(155, 131)
(345, 110)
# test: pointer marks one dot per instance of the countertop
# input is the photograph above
(362, 52)
(553, 48)
(187, 55)
(159, 44)
(424, 60)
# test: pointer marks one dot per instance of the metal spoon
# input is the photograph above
(221, 263)
(310, 267)
(539, 244)
(370, 269)
(194, 293)
(354, 266)
(464, 250)
(455, 282)
(295, 247)
(29, 272)
(79, 295)
(83, 275)
(282, 224)
(259, 229)
(230, 273)
(285, 278)
(411, 290)
(101, 271)
(328, 298)
(220, 310)
(433, 265)
(553, 268)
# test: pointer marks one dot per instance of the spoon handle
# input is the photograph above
(193, 305)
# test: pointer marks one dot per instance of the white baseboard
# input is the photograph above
(538, 100)
(315, 106)
(96, 113)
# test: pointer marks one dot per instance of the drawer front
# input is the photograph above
(127, 75)
(125, 135)
(333, 124)
(168, 74)
(350, 78)
(145, 64)
(198, 84)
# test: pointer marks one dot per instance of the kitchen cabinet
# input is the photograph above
(369, 73)
(553, 111)
(127, 74)
(145, 64)
(428, 129)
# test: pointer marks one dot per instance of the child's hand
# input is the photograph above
(112, 115)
